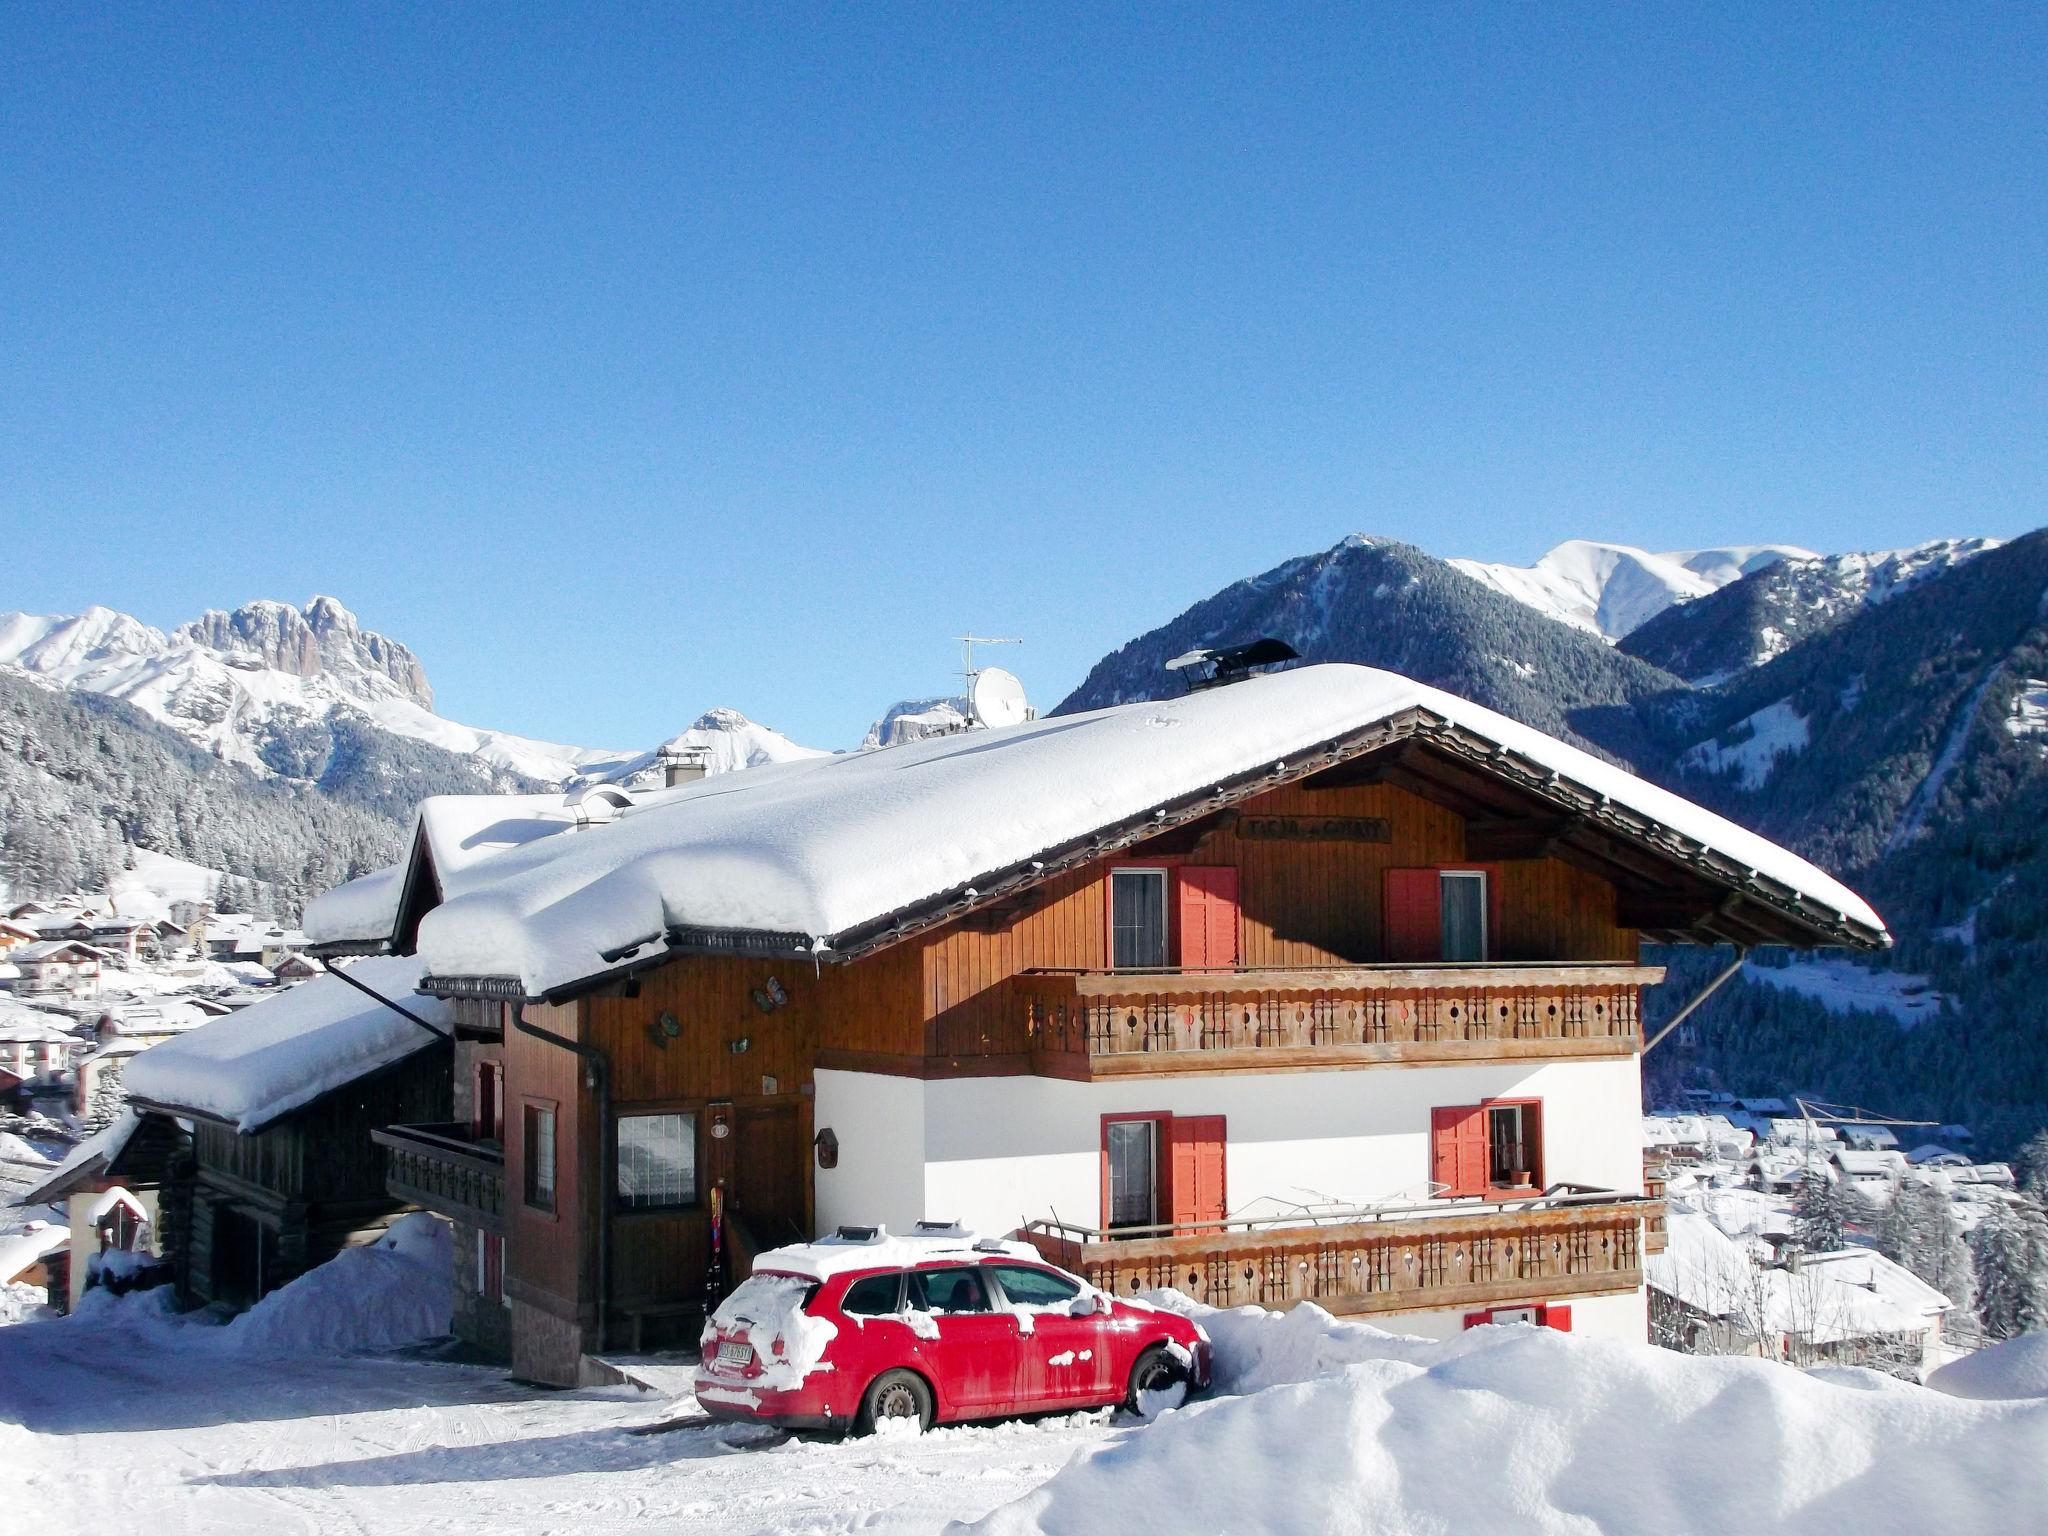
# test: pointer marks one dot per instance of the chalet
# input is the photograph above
(64, 966)
(1319, 985)
(15, 934)
(282, 1098)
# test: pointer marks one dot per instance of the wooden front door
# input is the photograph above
(768, 1172)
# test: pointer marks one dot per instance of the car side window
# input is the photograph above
(1028, 1287)
(951, 1290)
(874, 1296)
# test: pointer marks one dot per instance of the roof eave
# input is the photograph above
(1828, 928)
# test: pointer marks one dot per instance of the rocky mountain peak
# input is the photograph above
(324, 638)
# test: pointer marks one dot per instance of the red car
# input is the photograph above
(939, 1327)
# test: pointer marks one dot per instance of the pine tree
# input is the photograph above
(2032, 1165)
(2010, 1249)
(1823, 1211)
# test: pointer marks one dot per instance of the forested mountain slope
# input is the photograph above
(1885, 715)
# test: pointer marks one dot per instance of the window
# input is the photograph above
(1137, 919)
(1487, 1149)
(948, 1290)
(1555, 1315)
(1439, 914)
(657, 1161)
(1510, 1154)
(540, 1157)
(1462, 897)
(1162, 1170)
(490, 1079)
(1024, 1286)
(1133, 1158)
(875, 1296)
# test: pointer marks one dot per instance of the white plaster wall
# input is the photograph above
(879, 1121)
(1624, 1318)
(1002, 1150)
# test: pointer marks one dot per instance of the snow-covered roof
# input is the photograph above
(286, 1051)
(454, 835)
(829, 853)
(22, 1251)
(1882, 1277)
(1853, 1161)
(1830, 1298)
(18, 1022)
(51, 949)
(836, 1255)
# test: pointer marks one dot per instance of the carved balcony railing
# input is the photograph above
(1096, 1023)
(1565, 1242)
(1656, 1174)
(444, 1169)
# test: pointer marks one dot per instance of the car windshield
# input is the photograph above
(765, 1298)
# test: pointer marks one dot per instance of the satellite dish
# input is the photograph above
(998, 699)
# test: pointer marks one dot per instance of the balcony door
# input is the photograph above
(1137, 919)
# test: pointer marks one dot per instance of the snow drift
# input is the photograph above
(397, 1290)
(1530, 1430)
(2018, 1368)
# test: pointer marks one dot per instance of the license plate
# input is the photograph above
(733, 1352)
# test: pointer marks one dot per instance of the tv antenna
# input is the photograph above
(968, 671)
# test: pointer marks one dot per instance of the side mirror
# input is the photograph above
(1090, 1304)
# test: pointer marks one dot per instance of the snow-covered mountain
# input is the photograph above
(283, 691)
(1772, 608)
(258, 686)
(1612, 589)
(725, 739)
(915, 719)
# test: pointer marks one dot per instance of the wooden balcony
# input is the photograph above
(1444, 1254)
(1089, 1024)
(442, 1168)
(1656, 1174)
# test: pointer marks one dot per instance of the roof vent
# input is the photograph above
(1207, 667)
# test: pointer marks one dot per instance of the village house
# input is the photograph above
(1317, 985)
(64, 967)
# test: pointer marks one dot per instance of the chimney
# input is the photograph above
(684, 765)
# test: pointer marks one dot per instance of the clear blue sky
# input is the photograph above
(625, 362)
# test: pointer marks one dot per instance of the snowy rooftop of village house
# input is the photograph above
(816, 849)
(460, 833)
(283, 1053)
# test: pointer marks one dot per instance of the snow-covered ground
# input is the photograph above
(272, 1424)
(1776, 731)
(1843, 986)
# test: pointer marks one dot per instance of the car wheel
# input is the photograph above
(1159, 1383)
(896, 1397)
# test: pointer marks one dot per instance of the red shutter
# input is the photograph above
(1414, 915)
(1558, 1317)
(1208, 917)
(1195, 1164)
(1458, 1149)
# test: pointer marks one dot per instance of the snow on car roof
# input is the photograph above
(840, 1254)
(286, 1051)
(812, 850)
